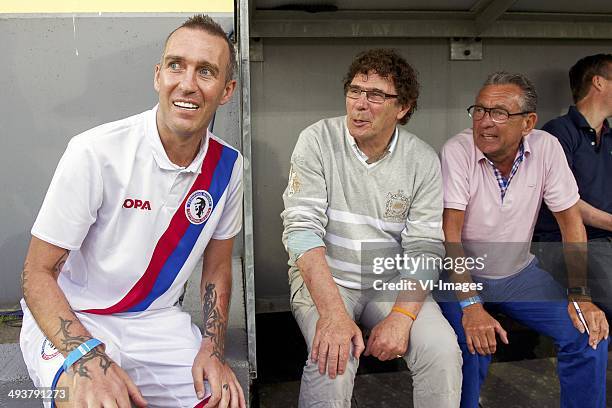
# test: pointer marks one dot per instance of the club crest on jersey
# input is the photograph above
(199, 206)
(48, 350)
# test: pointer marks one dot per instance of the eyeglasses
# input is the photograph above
(498, 115)
(354, 92)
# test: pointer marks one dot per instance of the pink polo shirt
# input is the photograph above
(504, 228)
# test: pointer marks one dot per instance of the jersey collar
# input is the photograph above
(159, 153)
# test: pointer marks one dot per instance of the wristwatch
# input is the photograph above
(579, 293)
(470, 301)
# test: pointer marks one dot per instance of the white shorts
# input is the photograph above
(155, 348)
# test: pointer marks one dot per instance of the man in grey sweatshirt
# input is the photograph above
(362, 219)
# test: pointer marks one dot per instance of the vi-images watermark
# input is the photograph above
(427, 285)
(408, 265)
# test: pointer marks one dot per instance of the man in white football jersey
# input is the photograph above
(131, 208)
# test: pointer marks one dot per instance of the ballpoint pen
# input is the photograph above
(581, 316)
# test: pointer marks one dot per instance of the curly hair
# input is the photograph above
(387, 63)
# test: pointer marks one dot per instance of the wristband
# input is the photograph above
(470, 301)
(74, 356)
(404, 312)
(579, 290)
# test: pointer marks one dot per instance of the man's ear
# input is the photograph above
(597, 82)
(156, 77)
(529, 123)
(228, 91)
(404, 111)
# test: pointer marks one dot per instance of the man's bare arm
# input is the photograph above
(97, 380)
(595, 217)
(49, 306)
(479, 326)
(574, 244)
(575, 253)
(215, 291)
(318, 279)
(390, 338)
(452, 222)
(336, 330)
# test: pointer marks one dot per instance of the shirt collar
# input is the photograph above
(361, 155)
(159, 153)
(577, 117)
(581, 122)
(526, 149)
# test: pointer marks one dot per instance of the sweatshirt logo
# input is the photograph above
(199, 206)
(295, 185)
(397, 206)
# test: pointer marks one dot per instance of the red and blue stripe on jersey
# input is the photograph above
(177, 242)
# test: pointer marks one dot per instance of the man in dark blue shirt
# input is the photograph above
(586, 138)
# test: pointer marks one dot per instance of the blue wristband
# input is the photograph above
(74, 356)
(470, 301)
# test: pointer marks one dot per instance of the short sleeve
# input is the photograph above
(72, 201)
(230, 222)
(560, 188)
(455, 181)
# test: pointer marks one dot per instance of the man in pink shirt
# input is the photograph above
(495, 177)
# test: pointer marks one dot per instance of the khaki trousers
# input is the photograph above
(433, 356)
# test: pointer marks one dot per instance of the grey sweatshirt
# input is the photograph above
(361, 211)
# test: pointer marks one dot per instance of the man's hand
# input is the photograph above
(225, 388)
(480, 328)
(96, 381)
(595, 319)
(389, 338)
(332, 343)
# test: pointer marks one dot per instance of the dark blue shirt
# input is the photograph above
(591, 165)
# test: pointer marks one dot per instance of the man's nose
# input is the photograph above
(362, 101)
(487, 120)
(188, 81)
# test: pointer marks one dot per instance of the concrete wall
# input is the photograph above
(300, 82)
(49, 94)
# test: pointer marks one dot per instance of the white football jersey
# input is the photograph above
(136, 224)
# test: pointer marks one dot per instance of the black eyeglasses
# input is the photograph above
(354, 92)
(498, 115)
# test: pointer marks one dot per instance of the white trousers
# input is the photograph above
(155, 348)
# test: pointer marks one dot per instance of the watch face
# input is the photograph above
(579, 290)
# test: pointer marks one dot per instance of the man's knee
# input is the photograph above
(436, 368)
(318, 390)
(435, 363)
(439, 355)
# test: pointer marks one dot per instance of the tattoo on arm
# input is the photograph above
(214, 324)
(69, 343)
(57, 268)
